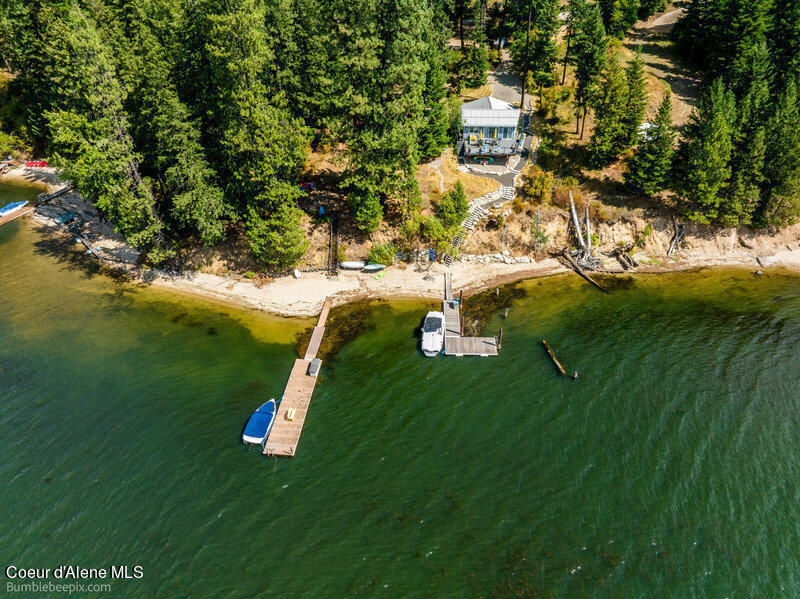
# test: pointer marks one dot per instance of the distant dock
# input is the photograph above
(455, 344)
(293, 408)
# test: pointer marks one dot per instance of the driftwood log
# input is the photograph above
(578, 269)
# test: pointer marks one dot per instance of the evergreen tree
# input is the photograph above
(630, 14)
(435, 134)
(453, 207)
(475, 59)
(649, 167)
(780, 198)
(609, 115)
(540, 44)
(747, 157)
(590, 52)
(613, 15)
(576, 14)
(385, 62)
(785, 39)
(703, 163)
(168, 139)
(277, 239)
(636, 101)
(648, 8)
(92, 142)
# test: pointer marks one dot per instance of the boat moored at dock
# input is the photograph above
(433, 334)
(260, 424)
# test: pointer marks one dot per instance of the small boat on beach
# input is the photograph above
(351, 265)
(374, 267)
(433, 334)
(260, 424)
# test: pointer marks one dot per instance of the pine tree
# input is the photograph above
(609, 115)
(747, 157)
(453, 207)
(435, 134)
(703, 163)
(636, 101)
(384, 60)
(475, 60)
(649, 167)
(613, 17)
(590, 52)
(648, 8)
(540, 42)
(780, 203)
(630, 14)
(167, 137)
(92, 144)
(785, 39)
(576, 14)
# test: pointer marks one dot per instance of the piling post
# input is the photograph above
(500, 340)
(461, 299)
(461, 325)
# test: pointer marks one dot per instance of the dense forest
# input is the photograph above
(185, 121)
(180, 118)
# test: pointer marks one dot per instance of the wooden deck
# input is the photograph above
(285, 435)
(22, 210)
(455, 344)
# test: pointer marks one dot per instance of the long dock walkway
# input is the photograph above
(455, 344)
(285, 435)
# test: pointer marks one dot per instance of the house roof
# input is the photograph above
(489, 112)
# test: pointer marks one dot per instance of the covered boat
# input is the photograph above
(260, 423)
(433, 334)
(374, 267)
(351, 265)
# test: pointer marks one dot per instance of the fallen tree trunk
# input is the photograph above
(578, 269)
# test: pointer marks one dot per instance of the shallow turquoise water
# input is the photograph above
(669, 468)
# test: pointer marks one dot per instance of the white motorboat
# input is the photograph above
(433, 334)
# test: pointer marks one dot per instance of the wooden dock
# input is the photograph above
(22, 210)
(455, 344)
(285, 435)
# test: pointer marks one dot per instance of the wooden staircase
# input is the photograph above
(475, 215)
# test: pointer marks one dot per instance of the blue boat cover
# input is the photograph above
(11, 207)
(261, 421)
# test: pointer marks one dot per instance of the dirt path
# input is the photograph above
(652, 38)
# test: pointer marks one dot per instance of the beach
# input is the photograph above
(304, 296)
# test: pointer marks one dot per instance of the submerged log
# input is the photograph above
(553, 358)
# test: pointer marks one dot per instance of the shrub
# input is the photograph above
(561, 194)
(538, 186)
(517, 205)
(431, 230)
(11, 144)
(382, 253)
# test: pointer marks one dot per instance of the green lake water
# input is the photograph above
(670, 468)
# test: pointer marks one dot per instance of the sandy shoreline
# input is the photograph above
(303, 297)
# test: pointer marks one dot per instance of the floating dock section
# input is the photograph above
(455, 344)
(292, 410)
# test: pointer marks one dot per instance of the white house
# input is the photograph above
(489, 127)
